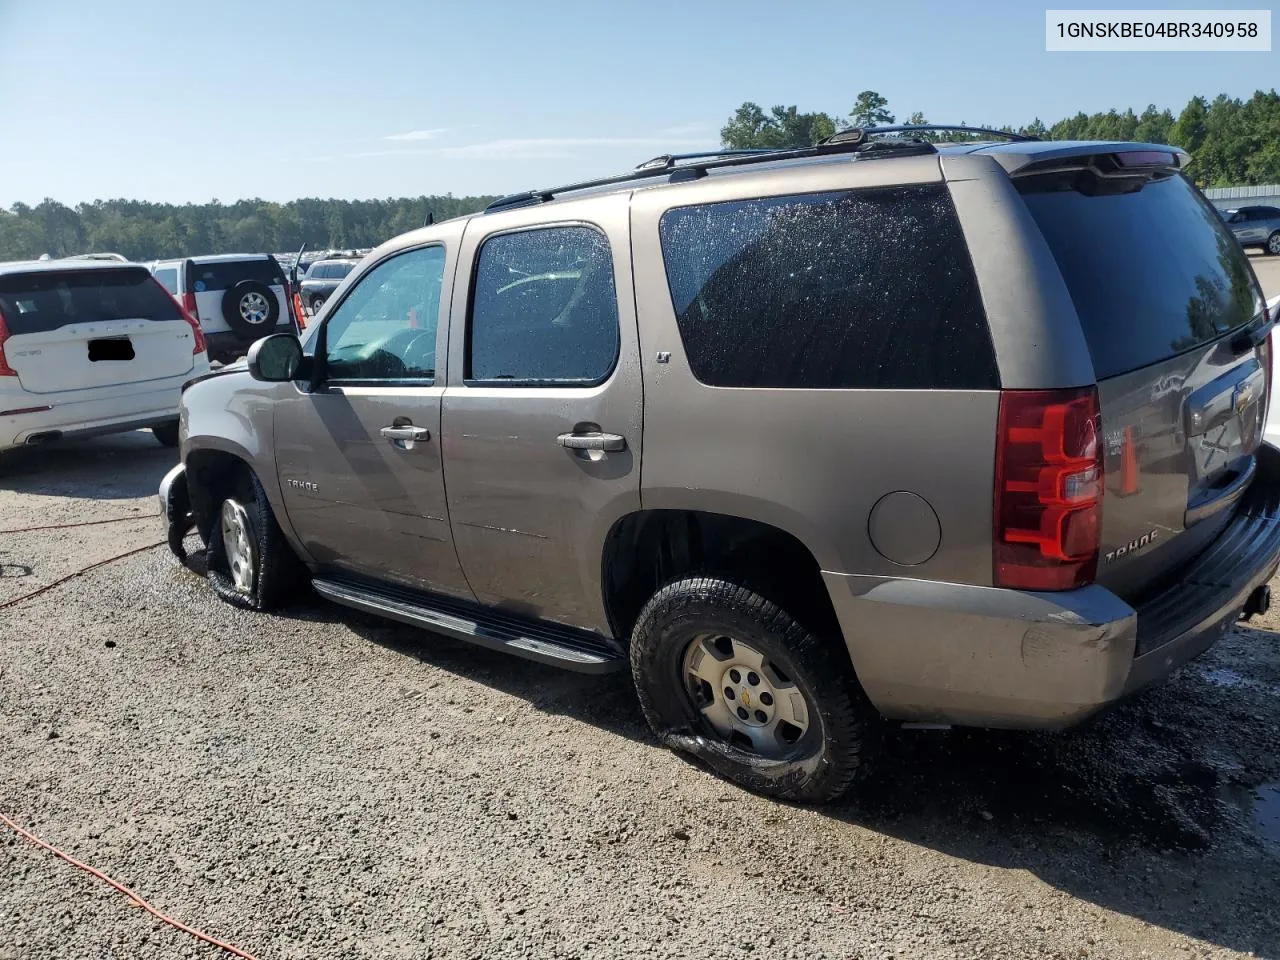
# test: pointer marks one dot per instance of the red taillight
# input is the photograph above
(5, 369)
(298, 312)
(188, 310)
(1048, 496)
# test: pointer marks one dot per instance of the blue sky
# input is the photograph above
(232, 99)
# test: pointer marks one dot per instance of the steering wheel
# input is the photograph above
(404, 345)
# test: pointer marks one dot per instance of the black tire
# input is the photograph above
(166, 433)
(278, 571)
(316, 304)
(237, 309)
(1272, 247)
(825, 759)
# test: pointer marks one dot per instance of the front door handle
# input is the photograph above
(404, 436)
(610, 442)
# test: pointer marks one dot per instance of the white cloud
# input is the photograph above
(417, 134)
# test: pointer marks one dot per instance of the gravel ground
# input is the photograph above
(320, 784)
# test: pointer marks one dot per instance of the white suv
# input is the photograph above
(91, 347)
(237, 298)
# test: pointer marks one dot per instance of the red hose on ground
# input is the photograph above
(233, 950)
(82, 523)
(71, 576)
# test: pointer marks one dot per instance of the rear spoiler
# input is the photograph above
(1105, 158)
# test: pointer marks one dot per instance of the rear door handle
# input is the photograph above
(610, 442)
(405, 436)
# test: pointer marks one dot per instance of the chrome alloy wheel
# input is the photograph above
(254, 308)
(1273, 244)
(745, 697)
(238, 545)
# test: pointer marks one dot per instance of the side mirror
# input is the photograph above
(275, 359)
(1235, 218)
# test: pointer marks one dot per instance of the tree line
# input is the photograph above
(152, 231)
(1232, 142)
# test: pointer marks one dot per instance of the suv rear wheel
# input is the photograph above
(730, 677)
(1273, 244)
(250, 563)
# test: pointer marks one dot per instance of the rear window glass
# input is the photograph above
(331, 271)
(1153, 273)
(168, 278)
(204, 277)
(44, 301)
(867, 288)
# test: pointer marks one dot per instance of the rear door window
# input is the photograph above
(1153, 272)
(544, 309)
(209, 277)
(864, 288)
(47, 300)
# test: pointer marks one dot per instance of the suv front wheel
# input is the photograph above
(250, 563)
(730, 677)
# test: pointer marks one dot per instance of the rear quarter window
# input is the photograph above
(206, 277)
(862, 288)
(44, 301)
(1153, 272)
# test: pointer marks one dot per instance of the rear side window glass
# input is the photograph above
(168, 278)
(866, 288)
(206, 277)
(544, 308)
(44, 301)
(1153, 272)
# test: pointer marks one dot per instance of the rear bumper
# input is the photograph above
(227, 343)
(115, 413)
(983, 656)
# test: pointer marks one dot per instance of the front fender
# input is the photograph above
(234, 415)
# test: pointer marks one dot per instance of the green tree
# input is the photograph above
(869, 110)
(1154, 126)
(1035, 128)
(1189, 131)
(751, 128)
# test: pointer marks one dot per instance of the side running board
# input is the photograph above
(548, 643)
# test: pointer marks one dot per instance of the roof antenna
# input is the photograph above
(431, 218)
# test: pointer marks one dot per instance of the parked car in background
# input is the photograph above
(236, 297)
(1256, 227)
(687, 434)
(91, 347)
(321, 279)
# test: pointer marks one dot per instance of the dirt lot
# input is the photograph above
(318, 784)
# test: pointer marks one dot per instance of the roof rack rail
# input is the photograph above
(924, 127)
(668, 160)
(850, 141)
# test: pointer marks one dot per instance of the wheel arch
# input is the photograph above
(647, 549)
